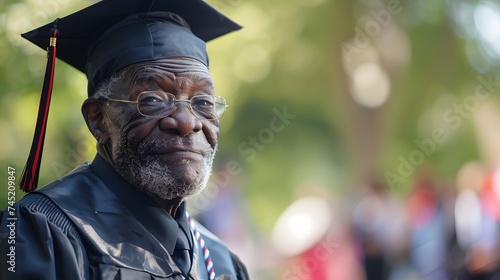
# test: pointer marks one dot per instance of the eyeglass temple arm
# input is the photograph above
(119, 100)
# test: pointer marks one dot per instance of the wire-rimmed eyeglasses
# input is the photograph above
(158, 104)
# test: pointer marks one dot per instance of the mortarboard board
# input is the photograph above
(110, 35)
(81, 45)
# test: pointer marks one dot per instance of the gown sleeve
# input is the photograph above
(47, 246)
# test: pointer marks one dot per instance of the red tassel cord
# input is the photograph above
(29, 179)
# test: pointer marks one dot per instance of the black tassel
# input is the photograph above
(29, 178)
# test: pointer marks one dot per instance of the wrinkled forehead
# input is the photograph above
(158, 70)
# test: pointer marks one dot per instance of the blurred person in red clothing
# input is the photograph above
(477, 226)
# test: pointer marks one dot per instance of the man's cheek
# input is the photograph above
(211, 132)
(139, 133)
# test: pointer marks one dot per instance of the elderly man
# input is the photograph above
(153, 111)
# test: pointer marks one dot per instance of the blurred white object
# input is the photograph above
(301, 225)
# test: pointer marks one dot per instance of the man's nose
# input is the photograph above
(182, 120)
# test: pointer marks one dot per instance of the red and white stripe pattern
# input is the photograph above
(206, 253)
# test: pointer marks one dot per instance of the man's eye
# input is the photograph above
(150, 99)
(203, 102)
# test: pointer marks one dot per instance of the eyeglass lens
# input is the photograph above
(158, 104)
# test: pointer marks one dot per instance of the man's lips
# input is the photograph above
(175, 149)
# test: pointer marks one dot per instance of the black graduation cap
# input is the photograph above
(110, 35)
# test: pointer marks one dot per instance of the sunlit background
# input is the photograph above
(362, 139)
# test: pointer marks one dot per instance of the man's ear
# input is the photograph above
(95, 118)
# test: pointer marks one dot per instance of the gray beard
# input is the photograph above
(153, 176)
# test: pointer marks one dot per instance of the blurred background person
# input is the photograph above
(379, 224)
(476, 224)
(428, 239)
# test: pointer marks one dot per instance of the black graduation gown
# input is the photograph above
(91, 224)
